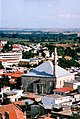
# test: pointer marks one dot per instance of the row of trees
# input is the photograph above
(41, 36)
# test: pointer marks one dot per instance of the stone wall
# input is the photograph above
(37, 84)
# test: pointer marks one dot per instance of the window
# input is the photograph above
(50, 83)
(60, 83)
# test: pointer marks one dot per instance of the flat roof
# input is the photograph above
(31, 95)
(54, 96)
(74, 82)
(10, 93)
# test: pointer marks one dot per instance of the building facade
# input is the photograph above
(10, 58)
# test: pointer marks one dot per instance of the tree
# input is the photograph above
(71, 52)
(78, 49)
(18, 83)
(6, 101)
(1, 66)
(27, 55)
(27, 109)
(61, 51)
(43, 54)
(4, 81)
(7, 47)
(75, 112)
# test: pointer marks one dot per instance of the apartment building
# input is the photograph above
(10, 58)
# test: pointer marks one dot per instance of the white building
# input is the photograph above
(13, 95)
(3, 90)
(3, 42)
(19, 92)
(10, 58)
(54, 101)
(47, 53)
(63, 91)
(16, 47)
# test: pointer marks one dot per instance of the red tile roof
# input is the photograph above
(4, 60)
(14, 112)
(1, 74)
(1, 47)
(15, 75)
(16, 46)
(12, 82)
(64, 89)
(19, 72)
(48, 118)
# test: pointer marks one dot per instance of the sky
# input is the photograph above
(40, 13)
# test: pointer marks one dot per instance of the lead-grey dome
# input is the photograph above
(46, 69)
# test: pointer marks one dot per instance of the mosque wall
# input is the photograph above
(43, 84)
(37, 84)
(61, 80)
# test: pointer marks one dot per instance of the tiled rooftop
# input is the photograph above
(15, 74)
(14, 112)
(64, 89)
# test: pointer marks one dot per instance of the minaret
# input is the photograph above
(55, 67)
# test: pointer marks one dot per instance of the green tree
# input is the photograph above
(1, 66)
(75, 112)
(18, 83)
(78, 49)
(27, 55)
(43, 54)
(6, 101)
(71, 52)
(4, 81)
(7, 47)
(26, 108)
(68, 63)
(61, 51)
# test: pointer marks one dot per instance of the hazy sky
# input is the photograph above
(40, 13)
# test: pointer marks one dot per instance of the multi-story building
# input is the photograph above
(10, 58)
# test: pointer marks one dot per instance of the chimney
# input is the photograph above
(1, 116)
(55, 67)
(6, 115)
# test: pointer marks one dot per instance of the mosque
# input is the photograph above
(46, 77)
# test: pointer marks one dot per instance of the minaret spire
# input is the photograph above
(55, 67)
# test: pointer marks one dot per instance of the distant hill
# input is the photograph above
(60, 30)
